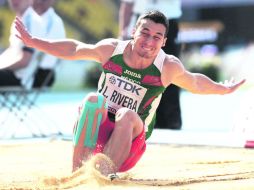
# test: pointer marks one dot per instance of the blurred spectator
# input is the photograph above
(16, 66)
(169, 112)
(19, 63)
(53, 28)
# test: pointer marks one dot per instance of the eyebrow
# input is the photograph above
(158, 33)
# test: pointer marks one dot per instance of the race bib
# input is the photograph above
(121, 92)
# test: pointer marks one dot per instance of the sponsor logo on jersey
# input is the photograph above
(137, 75)
(132, 80)
(121, 92)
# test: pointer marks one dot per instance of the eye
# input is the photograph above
(144, 34)
(156, 37)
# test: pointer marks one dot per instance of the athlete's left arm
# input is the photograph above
(198, 83)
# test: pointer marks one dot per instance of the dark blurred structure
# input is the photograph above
(234, 15)
(238, 29)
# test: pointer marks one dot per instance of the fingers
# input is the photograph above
(241, 82)
(23, 34)
(17, 19)
(19, 25)
(18, 36)
(235, 86)
(232, 82)
(231, 85)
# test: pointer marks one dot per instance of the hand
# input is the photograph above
(231, 85)
(23, 35)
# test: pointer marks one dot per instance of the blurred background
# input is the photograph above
(216, 37)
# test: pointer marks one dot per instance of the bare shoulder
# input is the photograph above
(110, 42)
(172, 68)
(105, 48)
(173, 63)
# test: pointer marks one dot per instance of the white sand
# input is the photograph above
(47, 165)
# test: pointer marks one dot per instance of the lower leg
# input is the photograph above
(119, 145)
(128, 126)
(86, 130)
(80, 155)
(117, 149)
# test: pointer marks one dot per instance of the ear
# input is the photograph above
(164, 42)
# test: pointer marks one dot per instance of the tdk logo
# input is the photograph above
(112, 80)
(131, 87)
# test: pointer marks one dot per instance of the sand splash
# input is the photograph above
(87, 175)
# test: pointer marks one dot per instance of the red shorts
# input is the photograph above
(138, 146)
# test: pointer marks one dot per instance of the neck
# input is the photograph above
(134, 60)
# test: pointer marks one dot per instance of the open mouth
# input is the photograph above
(147, 48)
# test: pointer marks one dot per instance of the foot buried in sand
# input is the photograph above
(97, 171)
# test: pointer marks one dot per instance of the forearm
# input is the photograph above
(204, 85)
(64, 49)
(195, 82)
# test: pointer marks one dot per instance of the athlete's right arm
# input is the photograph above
(67, 48)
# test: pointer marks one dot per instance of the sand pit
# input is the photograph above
(47, 165)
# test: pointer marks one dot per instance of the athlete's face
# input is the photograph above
(148, 38)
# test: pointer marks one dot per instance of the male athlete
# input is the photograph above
(118, 119)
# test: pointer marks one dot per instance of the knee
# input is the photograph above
(128, 116)
(92, 97)
(95, 98)
(92, 114)
(129, 119)
(92, 102)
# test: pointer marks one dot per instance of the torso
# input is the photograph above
(137, 89)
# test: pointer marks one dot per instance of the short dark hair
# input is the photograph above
(155, 16)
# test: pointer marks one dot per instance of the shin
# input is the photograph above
(92, 114)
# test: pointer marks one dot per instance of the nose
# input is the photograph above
(149, 40)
